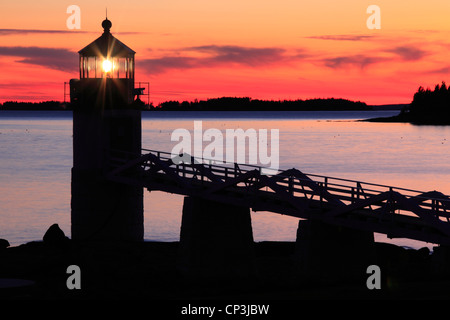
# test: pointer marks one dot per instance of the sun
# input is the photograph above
(107, 66)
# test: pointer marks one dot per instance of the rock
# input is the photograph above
(55, 236)
(423, 253)
(4, 244)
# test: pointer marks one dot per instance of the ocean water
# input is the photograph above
(36, 159)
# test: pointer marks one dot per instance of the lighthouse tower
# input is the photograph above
(106, 125)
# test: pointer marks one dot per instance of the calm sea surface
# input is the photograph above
(36, 159)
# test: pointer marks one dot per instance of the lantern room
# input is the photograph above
(106, 73)
(106, 57)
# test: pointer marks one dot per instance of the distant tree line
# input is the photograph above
(248, 104)
(31, 106)
(50, 105)
(216, 104)
(430, 106)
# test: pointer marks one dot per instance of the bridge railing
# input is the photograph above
(292, 181)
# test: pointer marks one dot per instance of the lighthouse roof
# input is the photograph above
(107, 45)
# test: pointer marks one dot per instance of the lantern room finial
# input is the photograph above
(106, 24)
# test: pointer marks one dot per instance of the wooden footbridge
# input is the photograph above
(396, 212)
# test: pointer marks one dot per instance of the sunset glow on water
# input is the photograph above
(36, 159)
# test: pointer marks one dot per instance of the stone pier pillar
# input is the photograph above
(332, 253)
(216, 240)
(440, 261)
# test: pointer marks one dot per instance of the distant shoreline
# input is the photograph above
(428, 107)
(222, 104)
(406, 118)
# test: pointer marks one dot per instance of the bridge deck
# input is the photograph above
(396, 212)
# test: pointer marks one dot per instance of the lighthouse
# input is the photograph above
(106, 125)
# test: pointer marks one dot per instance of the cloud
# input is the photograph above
(360, 61)
(186, 58)
(443, 70)
(252, 57)
(160, 65)
(214, 56)
(409, 53)
(5, 32)
(405, 53)
(27, 31)
(343, 37)
(53, 58)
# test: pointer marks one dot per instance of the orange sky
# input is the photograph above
(284, 49)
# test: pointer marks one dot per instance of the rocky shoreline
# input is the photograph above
(149, 270)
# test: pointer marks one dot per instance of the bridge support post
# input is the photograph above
(216, 240)
(330, 253)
